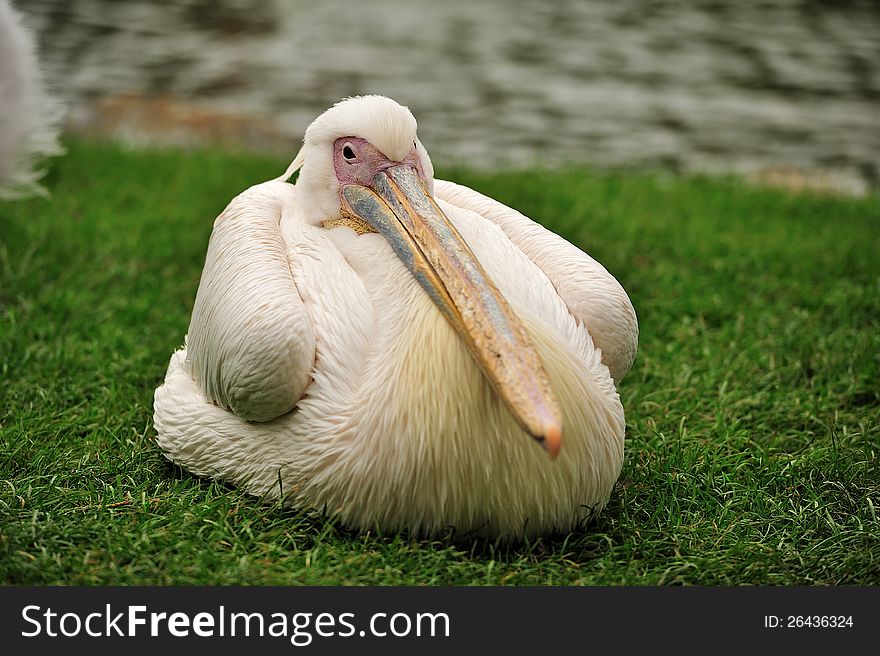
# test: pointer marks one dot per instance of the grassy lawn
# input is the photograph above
(753, 409)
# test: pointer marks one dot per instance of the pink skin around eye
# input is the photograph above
(367, 162)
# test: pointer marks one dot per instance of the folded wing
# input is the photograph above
(593, 296)
(251, 343)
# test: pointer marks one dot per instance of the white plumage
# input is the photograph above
(29, 116)
(317, 368)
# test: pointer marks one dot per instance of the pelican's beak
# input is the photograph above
(398, 205)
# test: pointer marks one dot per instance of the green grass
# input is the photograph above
(753, 409)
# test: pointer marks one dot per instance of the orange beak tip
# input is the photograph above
(552, 441)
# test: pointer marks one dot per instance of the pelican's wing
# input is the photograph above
(593, 296)
(251, 344)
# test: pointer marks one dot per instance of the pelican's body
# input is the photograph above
(29, 115)
(317, 368)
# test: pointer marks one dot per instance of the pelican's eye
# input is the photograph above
(348, 153)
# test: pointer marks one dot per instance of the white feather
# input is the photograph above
(29, 115)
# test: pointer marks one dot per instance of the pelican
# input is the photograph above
(397, 351)
(29, 115)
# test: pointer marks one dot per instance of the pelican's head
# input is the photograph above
(361, 159)
(375, 126)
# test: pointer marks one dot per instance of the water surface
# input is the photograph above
(722, 86)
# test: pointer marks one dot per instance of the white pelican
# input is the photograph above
(384, 346)
(29, 115)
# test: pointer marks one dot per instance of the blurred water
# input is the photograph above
(716, 86)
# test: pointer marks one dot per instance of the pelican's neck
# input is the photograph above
(316, 188)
